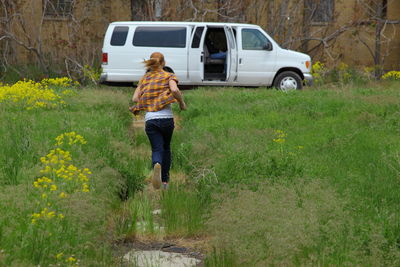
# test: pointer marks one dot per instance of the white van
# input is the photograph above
(203, 53)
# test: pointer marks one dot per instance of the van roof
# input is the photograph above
(190, 23)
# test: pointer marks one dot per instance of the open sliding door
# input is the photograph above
(232, 55)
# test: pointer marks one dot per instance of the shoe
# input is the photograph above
(156, 176)
(164, 185)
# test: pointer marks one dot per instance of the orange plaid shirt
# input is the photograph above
(154, 92)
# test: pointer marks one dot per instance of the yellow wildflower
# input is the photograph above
(279, 140)
(71, 259)
(392, 75)
(59, 255)
(36, 215)
(85, 188)
(30, 95)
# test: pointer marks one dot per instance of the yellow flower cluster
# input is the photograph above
(70, 139)
(31, 95)
(318, 71)
(45, 214)
(60, 176)
(68, 92)
(392, 75)
(71, 260)
(344, 72)
(279, 137)
(61, 82)
(58, 165)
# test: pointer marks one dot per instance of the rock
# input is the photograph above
(156, 212)
(160, 258)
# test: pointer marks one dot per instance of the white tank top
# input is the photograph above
(165, 113)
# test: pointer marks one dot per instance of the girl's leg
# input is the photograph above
(168, 129)
(156, 139)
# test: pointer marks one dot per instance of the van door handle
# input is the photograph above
(201, 57)
(240, 61)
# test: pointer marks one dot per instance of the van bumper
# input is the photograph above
(308, 79)
(103, 78)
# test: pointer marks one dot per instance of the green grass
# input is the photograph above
(328, 195)
(181, 212)
(351, 146)
(101, 117)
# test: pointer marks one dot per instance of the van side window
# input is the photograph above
(253, 39)
(160, 37)
(197, 37)
(118, 37)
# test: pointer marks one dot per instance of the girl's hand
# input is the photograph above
(182, 106)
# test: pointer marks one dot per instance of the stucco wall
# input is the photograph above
(58, 38)
(82, 36)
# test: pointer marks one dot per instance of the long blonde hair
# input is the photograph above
(156, 62)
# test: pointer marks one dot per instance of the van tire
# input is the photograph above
(288, 81)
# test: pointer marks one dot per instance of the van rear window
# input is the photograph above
(119, 34)
(160, 37)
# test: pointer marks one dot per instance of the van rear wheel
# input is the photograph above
(288, 81)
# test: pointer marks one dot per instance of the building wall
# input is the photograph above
(288, 25)
(356, 45)
(81, 38)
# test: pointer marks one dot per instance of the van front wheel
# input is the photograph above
(288, 81)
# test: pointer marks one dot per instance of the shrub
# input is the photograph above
(392, 75)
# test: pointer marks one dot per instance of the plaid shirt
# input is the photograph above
(154, 92)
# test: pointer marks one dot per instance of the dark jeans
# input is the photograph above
(159, 132)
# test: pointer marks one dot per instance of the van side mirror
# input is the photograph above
(268, 46)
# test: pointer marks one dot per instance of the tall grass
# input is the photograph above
(182, 212)
(306, 178)
(84, 234)
(345, 136)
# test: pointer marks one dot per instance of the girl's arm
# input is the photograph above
(135, 97)
(177, 94)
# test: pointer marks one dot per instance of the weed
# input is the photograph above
(181, 212)
(221, 258)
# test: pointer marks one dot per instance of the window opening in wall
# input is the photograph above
(319, 11)
(158, 8)
(57, 8)
(384, 8)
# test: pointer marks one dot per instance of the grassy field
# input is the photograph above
(57, 222)
(267, 178)
(308, 178)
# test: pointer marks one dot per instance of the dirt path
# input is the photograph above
(159, 249)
